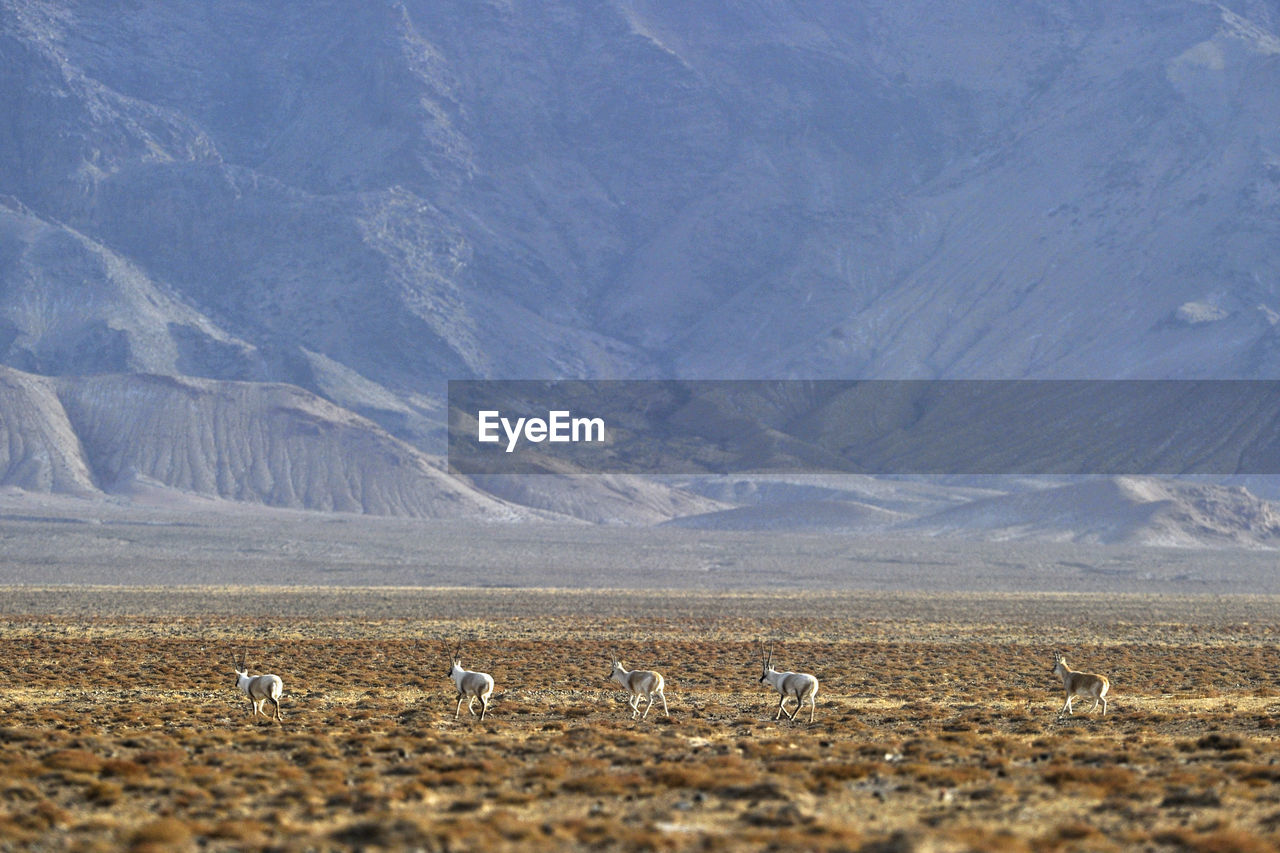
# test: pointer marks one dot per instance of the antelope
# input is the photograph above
(797, 685)
(259, 688)
(1081, 684)
(642, 684)
(471, 686)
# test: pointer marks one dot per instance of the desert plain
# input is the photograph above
(938, 722)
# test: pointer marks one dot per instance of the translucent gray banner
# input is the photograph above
(1158, 427)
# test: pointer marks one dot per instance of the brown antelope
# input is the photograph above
(1085, 684)
(800, 686)
(259, 688)
(471, 686)
(641, 684)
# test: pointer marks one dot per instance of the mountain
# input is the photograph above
(1184, 513)
(1117, 510)
(39, 448)
(254, 442)
(829, 516)
(363, 200)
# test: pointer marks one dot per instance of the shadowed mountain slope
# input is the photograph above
(417, 191)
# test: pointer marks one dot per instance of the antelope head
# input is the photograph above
(456, 658)
(765, 662)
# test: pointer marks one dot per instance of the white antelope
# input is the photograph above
(471, 686)
(259, 688)
(1085, 684)
(800, 686)
(642, 684)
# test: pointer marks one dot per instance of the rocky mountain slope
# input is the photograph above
(364, 200)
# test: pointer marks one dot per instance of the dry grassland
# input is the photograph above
(937, 726)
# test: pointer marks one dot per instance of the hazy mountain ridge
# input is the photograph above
(173, 441)
(363, 200)
(1118, 510)
(1100, 511)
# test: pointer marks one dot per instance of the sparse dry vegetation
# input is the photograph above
(937, 726)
